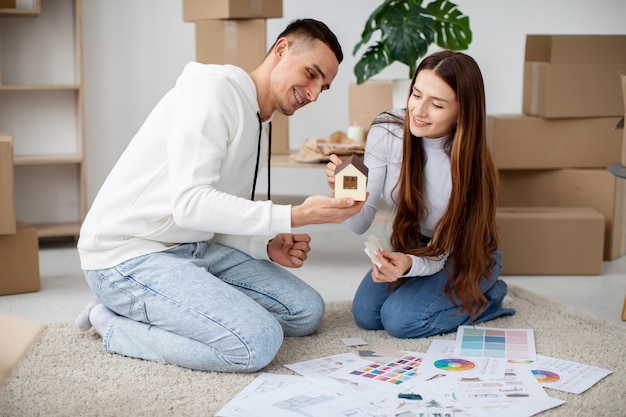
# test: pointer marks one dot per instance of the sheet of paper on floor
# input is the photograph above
(263, 384)
(289, 401)
(390, 375)
(441, 360)
(563, 375)
(320, 371)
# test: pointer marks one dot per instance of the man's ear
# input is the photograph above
(280, 47)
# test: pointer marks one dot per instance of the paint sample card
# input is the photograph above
(372, 245)
(391, 373)
(394, 372)
(490, 342)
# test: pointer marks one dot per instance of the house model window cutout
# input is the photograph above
(351, 179)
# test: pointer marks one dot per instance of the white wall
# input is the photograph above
(134, 51)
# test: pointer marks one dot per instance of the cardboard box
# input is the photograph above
(620, 128)
(7, 4)
(236, 42)
(19, 261)
(531, 142)
(194, 10)
(576, 48)
(595, 188)
(550, 241)
(7, 186)
(557, 90)
(280, 134)
(621, 124)
(559, 70)
(18, 335)
(368, 100)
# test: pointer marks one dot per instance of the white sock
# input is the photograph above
(100, 317)
(82, 321)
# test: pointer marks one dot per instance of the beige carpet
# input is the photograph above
(67, 374)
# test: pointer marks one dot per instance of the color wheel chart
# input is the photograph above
(488, 342)
(394, 372)
(454, 364)
(545, 377)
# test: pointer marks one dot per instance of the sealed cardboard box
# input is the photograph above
(368, 100)
(194, 10)
(7, 186)
(550, 241)
(595, 188)
(576, 48)
(556, 90)
(555, 65)
(18, 335)
(19, 261)
(531, 142)
(236, 42)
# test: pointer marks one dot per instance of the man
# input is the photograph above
(184, 265)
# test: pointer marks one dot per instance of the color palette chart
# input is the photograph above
(394, 372)
(489, 342)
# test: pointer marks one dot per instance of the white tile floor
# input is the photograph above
(335, 268)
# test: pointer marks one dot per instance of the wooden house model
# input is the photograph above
(351, 179)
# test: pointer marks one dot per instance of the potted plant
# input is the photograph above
(407, 29)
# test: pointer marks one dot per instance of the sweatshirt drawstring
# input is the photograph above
(258, 157)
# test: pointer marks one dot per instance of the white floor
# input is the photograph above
(335, 267)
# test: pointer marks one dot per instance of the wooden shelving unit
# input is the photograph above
(31, 9)
(41, 106)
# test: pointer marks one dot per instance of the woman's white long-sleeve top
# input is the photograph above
(383, 158)
(186, 176)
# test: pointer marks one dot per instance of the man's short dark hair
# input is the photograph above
(313, 29)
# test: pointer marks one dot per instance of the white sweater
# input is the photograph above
(187, 175)
(383, 158)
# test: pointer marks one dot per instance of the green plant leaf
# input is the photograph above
(452, 27)
(406, 31)
(407, 34)
(371, 26)
(373, 61)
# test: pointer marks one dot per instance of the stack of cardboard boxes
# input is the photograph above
(235, 32)
(560, 210)
(19, 244)
(19, 266)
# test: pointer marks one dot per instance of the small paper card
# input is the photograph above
(371, 246)
(353, 341)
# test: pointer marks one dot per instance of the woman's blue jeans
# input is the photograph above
(420, 307)
(204, 306)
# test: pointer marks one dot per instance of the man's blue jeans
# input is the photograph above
(204, 306)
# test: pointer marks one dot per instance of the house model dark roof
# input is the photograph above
(354, 161)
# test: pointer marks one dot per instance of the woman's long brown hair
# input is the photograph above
(467, 229)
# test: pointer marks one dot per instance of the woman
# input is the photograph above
(431, 163)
